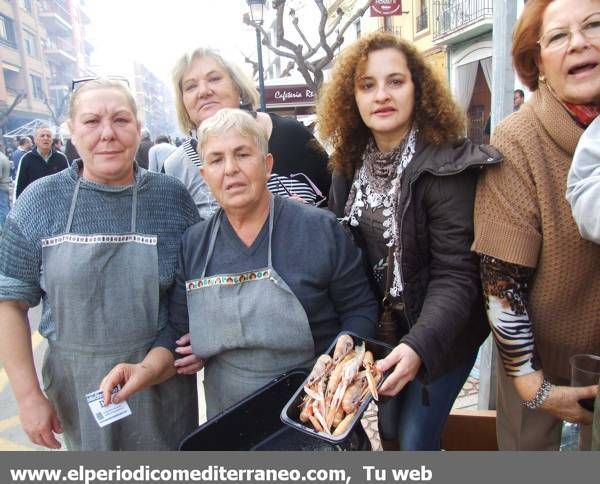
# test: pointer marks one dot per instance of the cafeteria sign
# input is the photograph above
(295, 95)
(386, 8)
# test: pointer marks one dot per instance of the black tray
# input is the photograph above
(290, 415)
(254, 424)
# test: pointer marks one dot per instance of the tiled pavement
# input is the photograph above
(467, 398)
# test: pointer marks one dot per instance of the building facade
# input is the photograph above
(156, 107)
(465, 28)
(43, 47)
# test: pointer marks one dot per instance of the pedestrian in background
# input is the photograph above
(71, 151)
(159, 153)
(98, 244)
(404, 180)
(41, 161)
(57, 144)
(5, 182)
(518, 99)
(540, 277)
(142, 153)
(25, 145)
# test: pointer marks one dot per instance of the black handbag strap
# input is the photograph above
(389, 276)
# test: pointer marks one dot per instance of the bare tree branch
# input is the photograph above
(311, 70)
(336, 22)
(254, 65)
(322, 23)
(58, 115)
(6, 113)
(322, 63)
(266, 40)
(288, 69)
(300, 33)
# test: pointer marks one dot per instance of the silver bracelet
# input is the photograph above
(540, 396)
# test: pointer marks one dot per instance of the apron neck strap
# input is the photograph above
(72, 208)
(271, 211)
(213, 237)
(134, 207)
(215, 230)
(74, 202)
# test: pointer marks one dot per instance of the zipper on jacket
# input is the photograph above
(407, 317)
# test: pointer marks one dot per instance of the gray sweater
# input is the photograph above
(311, 252)
(164, 208)
(184, 164)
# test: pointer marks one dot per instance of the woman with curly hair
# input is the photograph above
(405, 183)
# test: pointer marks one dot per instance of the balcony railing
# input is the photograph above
(55, 8)
(453, 15)
(391, 30)
(8, 43)
(59, 50)
(422, 22)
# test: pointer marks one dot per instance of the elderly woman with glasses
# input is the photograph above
(97, 243)
(263, 286)
(205, 82)
(540, 278)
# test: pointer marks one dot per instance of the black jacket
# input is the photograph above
(295, 150)
(442, 297)
(33, 166)
(142, 153)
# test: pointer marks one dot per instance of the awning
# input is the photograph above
(29, 128)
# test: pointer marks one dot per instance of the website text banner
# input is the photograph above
(297, 467)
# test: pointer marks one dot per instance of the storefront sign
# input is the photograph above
(386, 8)
(289, 96)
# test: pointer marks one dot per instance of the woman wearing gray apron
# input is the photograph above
(253, 343)
(264, 285)
(102, 262)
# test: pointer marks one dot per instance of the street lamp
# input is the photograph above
(256, 14)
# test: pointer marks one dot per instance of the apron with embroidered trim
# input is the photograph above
(249, 326)
(103, 291)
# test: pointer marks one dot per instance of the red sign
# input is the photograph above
(295, 95)
(386, 8)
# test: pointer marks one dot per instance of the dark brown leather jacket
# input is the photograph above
(442, 297)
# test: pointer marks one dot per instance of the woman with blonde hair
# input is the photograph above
(404, 181)
(204, 83)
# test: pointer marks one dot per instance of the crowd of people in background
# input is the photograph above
(259, 247)
(59, 155)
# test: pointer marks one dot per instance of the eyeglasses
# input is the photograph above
(559, 38)
(77, 83)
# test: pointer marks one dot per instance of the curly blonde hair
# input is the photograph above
(435, 114)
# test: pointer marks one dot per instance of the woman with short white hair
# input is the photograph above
(264, 286)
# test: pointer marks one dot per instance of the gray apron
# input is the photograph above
(103, 291)
(250, 326)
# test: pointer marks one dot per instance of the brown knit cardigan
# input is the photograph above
(522, 217)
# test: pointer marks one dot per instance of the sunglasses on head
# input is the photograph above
(77, 83)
